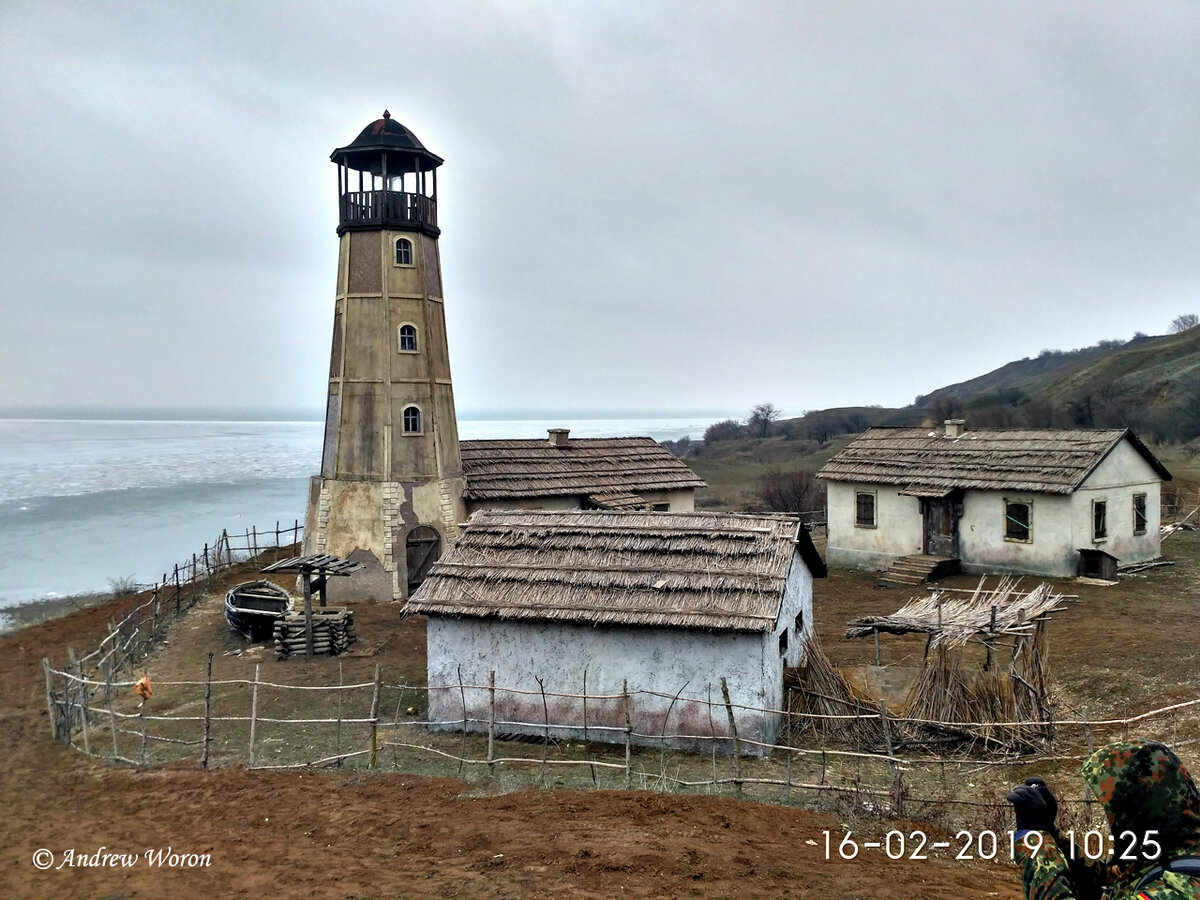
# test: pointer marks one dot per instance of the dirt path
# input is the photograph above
(329, 834)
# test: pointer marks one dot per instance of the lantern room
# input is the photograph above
(387, 179)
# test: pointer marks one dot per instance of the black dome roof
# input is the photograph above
(386, 135)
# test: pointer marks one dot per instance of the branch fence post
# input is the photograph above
(69, 695)
(737, 744)
(375, 715)
(112, 716)
(491, 748)
(546, 713)
(338, 729)
(462, 695)
(83, 707)
(51, 706)
(207, 711)
(628, 735)
(253, 714)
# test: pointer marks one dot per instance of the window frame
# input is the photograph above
(1140, 512)
(1100, 535)
(412, 253)
(858, 521)
(404, 429)
(416, 338)
(1009, 520)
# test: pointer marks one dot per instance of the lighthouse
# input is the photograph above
(390, 492)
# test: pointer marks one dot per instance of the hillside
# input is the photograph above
(1149, 384)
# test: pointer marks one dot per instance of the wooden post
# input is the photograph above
(112, 716)
(142, 716)
(306, 585)
(628, 736)
(83, 707)
(875, 632)
(462, 695)
(178, 593)
(157, 609)
(546, 712)
(787, 696)
(887, 731)
(338, 732)
(207, 564)
(737, 744)
(987, 664)
(69, 694)
(253, 714)
(254, 540)
(50, 704)
(375, 715)
(491, 751)
(207, 711)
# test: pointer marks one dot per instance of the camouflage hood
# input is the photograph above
(1143, 787)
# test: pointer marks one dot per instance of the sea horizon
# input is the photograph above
(85, 502)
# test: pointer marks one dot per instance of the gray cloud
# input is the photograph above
(647, 206)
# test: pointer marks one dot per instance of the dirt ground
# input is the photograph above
(337, 834)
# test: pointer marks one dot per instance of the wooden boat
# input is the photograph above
(253, 607)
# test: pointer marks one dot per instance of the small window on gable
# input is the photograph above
(783, 642)
(1139, 513)
(408, 338)
(1018, 520)
(864, 509)
(404, 252)
(799, 621)
(1099, 520)
(412, 420)
(660, 507)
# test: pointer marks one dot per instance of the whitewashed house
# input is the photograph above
(664, 604)
(1039, 501)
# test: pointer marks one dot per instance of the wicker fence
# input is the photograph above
(71, 691)
(381, 725)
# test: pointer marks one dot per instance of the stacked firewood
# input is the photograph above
(332, 628)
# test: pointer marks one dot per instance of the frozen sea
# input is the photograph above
(84, 502)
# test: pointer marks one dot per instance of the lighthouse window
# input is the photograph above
(408, 338)
(403, 252)
(412, 420)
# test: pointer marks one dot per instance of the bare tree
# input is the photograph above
(762, 417)
(1184, 323)
(797, 490)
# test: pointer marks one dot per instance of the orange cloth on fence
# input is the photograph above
(144, 688)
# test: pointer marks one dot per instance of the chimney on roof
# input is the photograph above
(558, 436)
(955, 427)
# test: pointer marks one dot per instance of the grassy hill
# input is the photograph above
(1149, 384)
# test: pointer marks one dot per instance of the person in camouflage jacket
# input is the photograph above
(1145, 791)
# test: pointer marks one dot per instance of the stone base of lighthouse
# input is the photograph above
(383, 525)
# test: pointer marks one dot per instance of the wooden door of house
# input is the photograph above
(423, 546)
(940, 526)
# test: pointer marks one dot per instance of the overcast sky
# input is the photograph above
(682, 206)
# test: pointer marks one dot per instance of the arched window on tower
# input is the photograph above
(404, 250)
(408, 338)
(412, 420)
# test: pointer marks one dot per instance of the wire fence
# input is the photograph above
(625, 739)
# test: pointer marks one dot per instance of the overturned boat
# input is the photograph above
(253, 607)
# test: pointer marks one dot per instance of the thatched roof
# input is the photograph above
(927, 463)
(952, 619)
(579, 467)
(684, 570)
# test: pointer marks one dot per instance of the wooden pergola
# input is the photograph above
(314, 571)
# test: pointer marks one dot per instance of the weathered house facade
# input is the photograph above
(663, 604)
(1039, 501)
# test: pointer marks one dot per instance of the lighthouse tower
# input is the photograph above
(390, 489)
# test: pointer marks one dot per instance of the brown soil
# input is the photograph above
(333, 834)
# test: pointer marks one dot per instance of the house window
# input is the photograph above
(660, 507)
(403, 252)
(864, 509)
(412, 420)
(783, 642)
(1139, 513)
(408, 338)
(1018, 520)
(1099, 520)
(799, 621)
